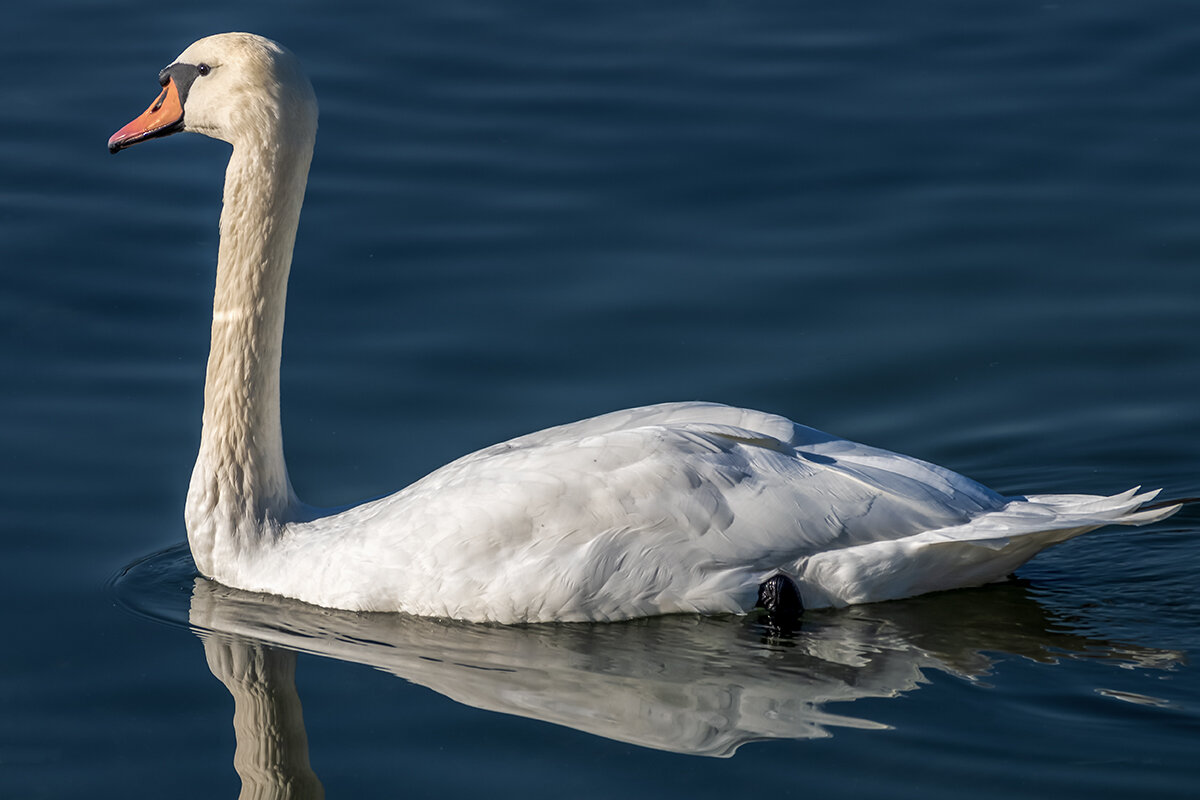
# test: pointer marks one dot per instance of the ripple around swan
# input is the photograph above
(696, 685)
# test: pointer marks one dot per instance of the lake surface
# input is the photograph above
(966, 232)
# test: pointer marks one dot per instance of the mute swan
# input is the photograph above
(675, 508)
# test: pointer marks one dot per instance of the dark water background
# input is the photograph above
(965, 231)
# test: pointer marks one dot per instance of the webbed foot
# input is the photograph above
(779, 597)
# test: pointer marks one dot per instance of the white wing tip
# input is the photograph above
(1124, 508)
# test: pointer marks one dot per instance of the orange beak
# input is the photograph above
(162, 118)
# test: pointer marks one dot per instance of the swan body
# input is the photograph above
(674, 508)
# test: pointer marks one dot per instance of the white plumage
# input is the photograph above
(683, 507)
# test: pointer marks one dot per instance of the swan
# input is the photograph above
(677, 508)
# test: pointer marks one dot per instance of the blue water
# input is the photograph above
(962, 231)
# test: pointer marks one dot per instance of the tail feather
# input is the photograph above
(983, 550)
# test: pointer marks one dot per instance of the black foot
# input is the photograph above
(779, 597)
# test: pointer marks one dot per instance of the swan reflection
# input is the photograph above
(695, 685)
(272, 746)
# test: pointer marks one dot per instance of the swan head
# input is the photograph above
(236, 87)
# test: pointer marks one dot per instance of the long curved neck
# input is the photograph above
(240, 493)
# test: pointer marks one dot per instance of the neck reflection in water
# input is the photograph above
(694, 685)
(272, 746)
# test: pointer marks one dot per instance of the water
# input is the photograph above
(965, 233)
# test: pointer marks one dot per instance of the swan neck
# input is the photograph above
(240, 491)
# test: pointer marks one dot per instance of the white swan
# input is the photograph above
(684, 507)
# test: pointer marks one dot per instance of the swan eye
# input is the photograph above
(203, 69)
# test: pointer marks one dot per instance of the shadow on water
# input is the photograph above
(694, 685)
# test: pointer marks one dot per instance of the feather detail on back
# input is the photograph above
(683, 507)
